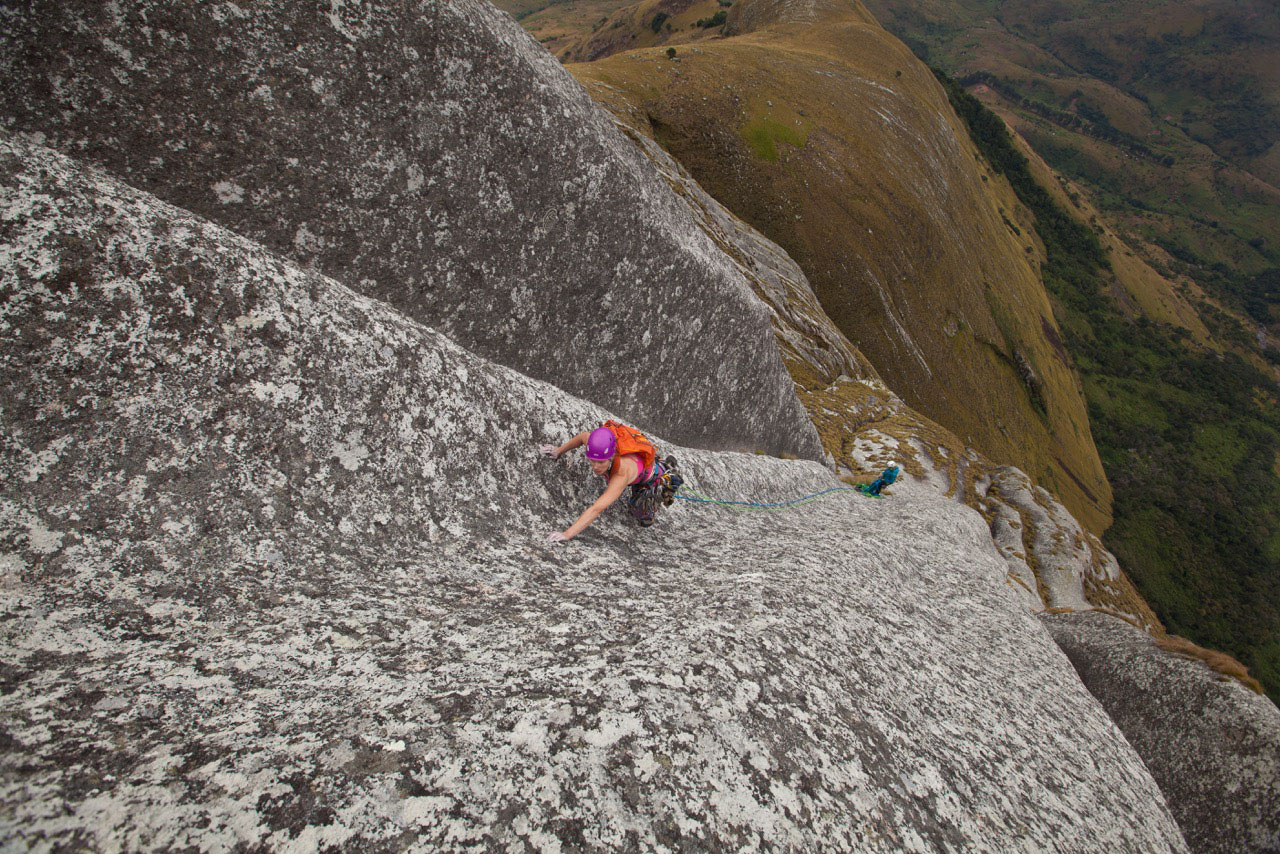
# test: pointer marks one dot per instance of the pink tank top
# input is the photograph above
(641, 477)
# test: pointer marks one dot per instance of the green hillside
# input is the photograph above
(1166, 111)
(1190, 439)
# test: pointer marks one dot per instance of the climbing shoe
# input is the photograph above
(671, 481)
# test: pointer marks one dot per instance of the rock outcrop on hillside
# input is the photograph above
(1051, 556)
(430, 155)
(272, 577)
(1212, 744)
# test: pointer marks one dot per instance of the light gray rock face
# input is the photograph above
(1212, 744)
(430, 154)
(273, 576)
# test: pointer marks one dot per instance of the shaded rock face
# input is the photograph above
(1211, 744)
(431, 155)
(272, 577)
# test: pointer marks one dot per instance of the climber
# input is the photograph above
(887, 477)
(625, 458)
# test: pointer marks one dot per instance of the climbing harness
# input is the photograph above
(660, 489)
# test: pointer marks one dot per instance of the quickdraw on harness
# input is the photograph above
(660, 488)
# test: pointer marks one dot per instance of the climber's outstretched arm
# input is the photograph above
(611, 493)
(576, 442)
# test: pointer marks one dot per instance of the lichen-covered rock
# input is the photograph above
(1212, 744)
(432, 155)
(273, 576)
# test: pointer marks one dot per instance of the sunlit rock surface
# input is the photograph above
(1212, 744)
(430, 154)
(272, 575)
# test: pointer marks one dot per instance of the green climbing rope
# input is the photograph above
(698, 498)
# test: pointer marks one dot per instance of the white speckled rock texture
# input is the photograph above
(272, 577)
(432, 155)
(1212, 744)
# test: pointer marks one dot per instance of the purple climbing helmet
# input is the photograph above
(601, 444)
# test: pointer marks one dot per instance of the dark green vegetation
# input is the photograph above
(1190, 438)
(715, 20)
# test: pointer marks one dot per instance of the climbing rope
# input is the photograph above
(698, 498)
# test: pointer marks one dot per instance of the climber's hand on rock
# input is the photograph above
(552, 451)
(557, 537)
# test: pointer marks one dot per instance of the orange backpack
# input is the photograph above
(631, 442)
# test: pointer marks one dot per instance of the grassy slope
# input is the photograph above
(586, 30)
(1167, 111)
(558, 24)
(1205, 66)
(648, 23)
(1188, 435)
(829, 139)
